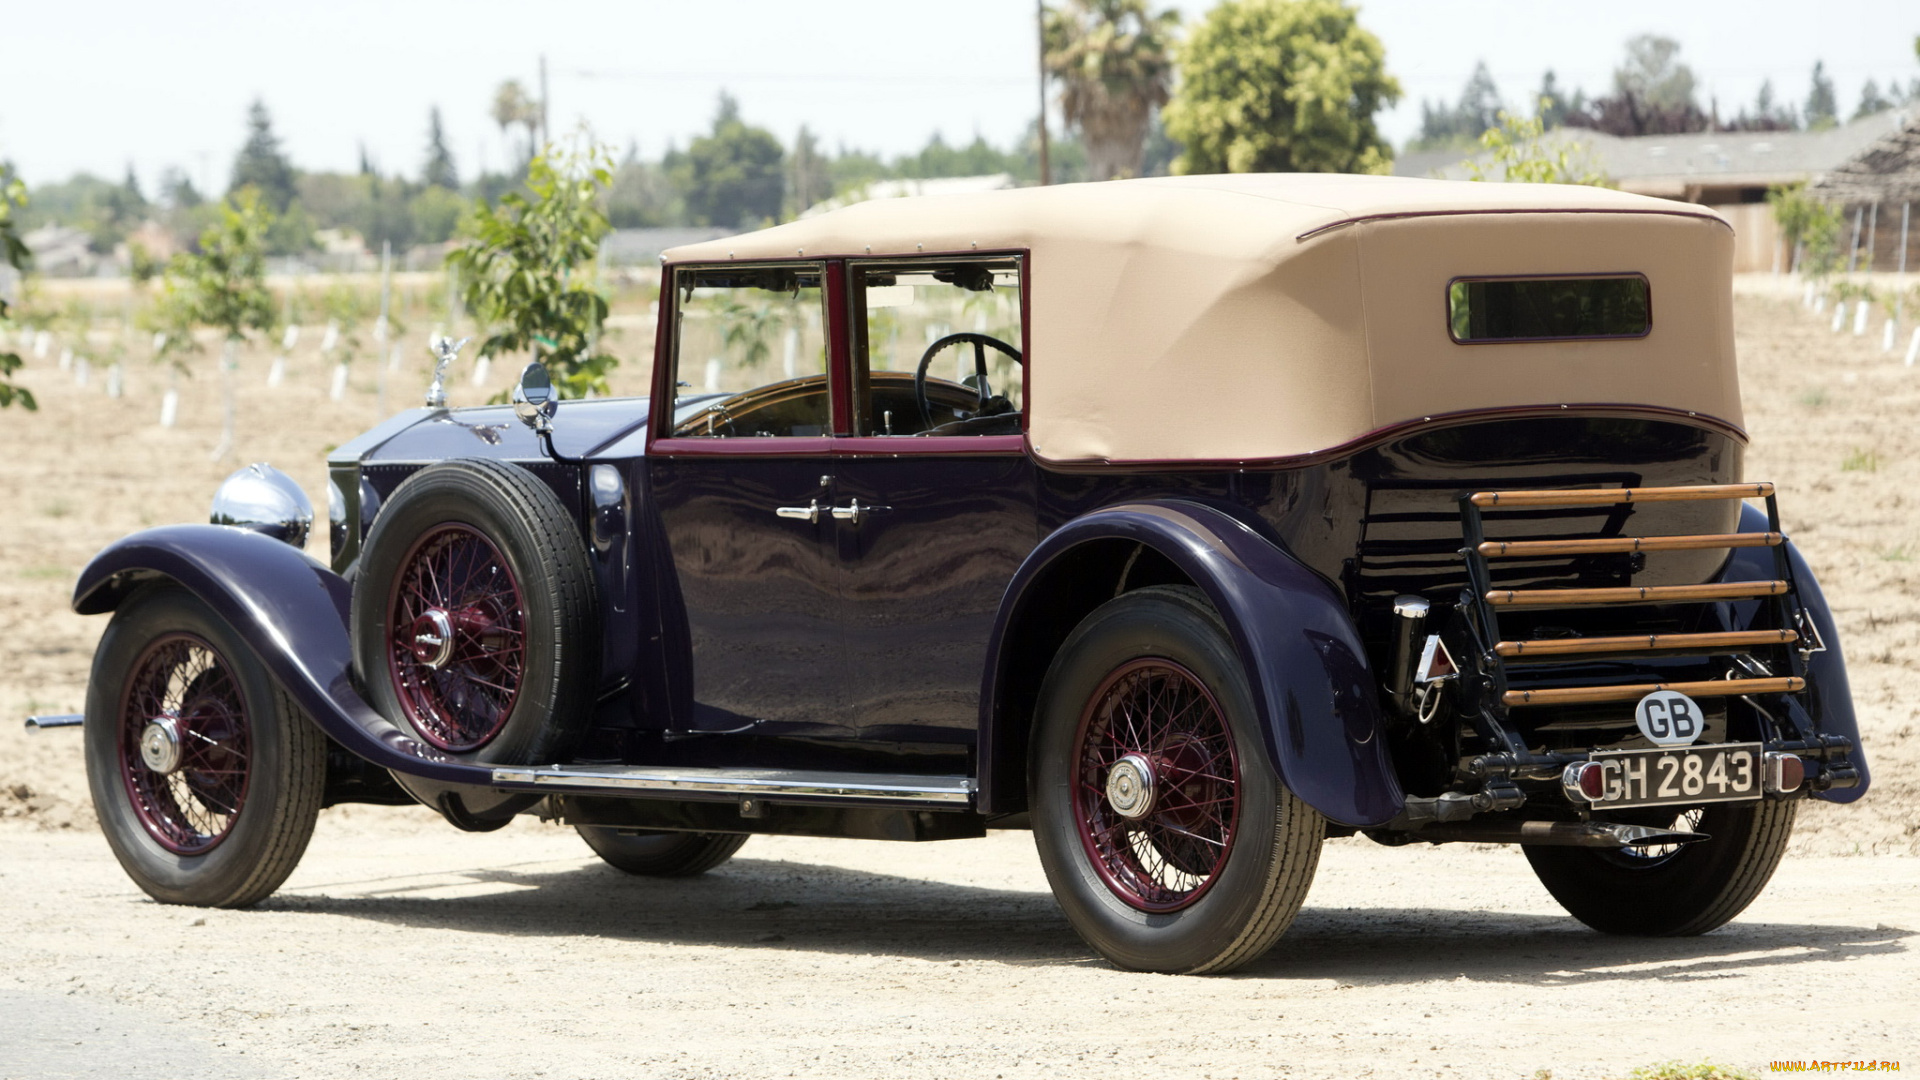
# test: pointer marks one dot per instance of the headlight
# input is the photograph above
(265, 500)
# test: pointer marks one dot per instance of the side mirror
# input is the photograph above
(534, 401)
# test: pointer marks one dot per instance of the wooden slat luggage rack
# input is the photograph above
(1486, 602)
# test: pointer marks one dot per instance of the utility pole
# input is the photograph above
(1046, 171)
(546, 134)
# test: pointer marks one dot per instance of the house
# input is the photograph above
(1880, 187)
(1730, 171)
(61, 251)
(901, 189)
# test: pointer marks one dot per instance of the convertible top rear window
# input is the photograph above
(1549, 308)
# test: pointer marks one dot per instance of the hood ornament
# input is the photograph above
(445, 349)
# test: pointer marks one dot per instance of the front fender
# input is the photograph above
(294, 611)
(1827, 689)
(1312, 688)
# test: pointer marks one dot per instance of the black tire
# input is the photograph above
(1236, 886)
(660, 854)
(1676, 892)
(547, 604)
(249, 750)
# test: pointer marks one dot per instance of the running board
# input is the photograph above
(774, 785)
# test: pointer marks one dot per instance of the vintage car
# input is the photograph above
(1185, 522)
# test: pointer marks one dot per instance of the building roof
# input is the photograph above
(1263, 316)
(1674, 166)
(908, 188)
(1886, 170)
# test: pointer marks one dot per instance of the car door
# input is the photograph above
(934, 506)
(739, 473)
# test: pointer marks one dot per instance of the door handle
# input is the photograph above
(853, 512)
(808, 513)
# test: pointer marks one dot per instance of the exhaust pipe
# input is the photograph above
(1409, 631)
(42, 723)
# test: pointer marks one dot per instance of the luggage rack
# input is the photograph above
(1768, 659)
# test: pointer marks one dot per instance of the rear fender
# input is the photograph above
(293, 610)
(1312, 688)
(1826, 671)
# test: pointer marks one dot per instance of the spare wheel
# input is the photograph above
(475, 624)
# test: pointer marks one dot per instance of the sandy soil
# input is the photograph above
(402, 945)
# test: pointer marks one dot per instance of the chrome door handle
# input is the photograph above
(809, 512)
(853, 512)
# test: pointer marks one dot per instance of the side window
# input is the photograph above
(750, 352)
(937, 347)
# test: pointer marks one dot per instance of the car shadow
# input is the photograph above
(777, 905)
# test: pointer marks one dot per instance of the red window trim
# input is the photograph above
(837, 282)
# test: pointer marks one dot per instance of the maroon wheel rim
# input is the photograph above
(456, 638)
(189, 786)
(1154, 713)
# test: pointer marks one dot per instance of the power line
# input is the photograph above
(793, 77)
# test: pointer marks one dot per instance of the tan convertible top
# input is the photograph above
(1240, 318)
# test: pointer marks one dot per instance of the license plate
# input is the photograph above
(1679, 776)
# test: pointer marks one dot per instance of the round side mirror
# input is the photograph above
(534, 400)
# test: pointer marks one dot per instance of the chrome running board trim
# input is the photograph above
(770, 784)
(54, 720)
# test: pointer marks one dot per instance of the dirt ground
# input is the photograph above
(403, 946)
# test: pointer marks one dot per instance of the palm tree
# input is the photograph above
(1115, 65)
(512, 105)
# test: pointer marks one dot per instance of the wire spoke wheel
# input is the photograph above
(456, 638)
(1153, 742)
(186, 744)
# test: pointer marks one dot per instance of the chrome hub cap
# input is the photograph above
(160, 745)
(1130, 787)
(431, 638)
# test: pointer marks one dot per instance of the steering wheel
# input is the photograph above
(980, 342)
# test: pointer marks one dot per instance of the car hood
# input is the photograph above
(580, 429)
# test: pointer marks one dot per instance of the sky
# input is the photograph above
(110, 83)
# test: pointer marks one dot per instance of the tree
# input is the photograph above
(1767, 115)
(439, 170)
(521, 274)
(1281, 86)
(1114, 61)
(1461, 124)
(224, 286)
(1871, 100)
(1554, 105)
(1823, 106)
(513, 106)
(261, 164)
(14, 255)
(733, 174)
(808, 178)
(1653, 94)
(1810, 227)
(1653, 75)
(1520, 155)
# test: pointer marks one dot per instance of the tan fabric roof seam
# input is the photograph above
(1318, 229)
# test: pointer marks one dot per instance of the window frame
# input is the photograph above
(667, 360)
(837, 283)
(1446, 303)
(852, 311)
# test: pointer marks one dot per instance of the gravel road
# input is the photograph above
(403, 948)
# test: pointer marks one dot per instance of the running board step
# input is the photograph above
(1509, 549)
(1615, 496)
(771, 784)
(1644, 594)
(1589, 695)
(1714, 642)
